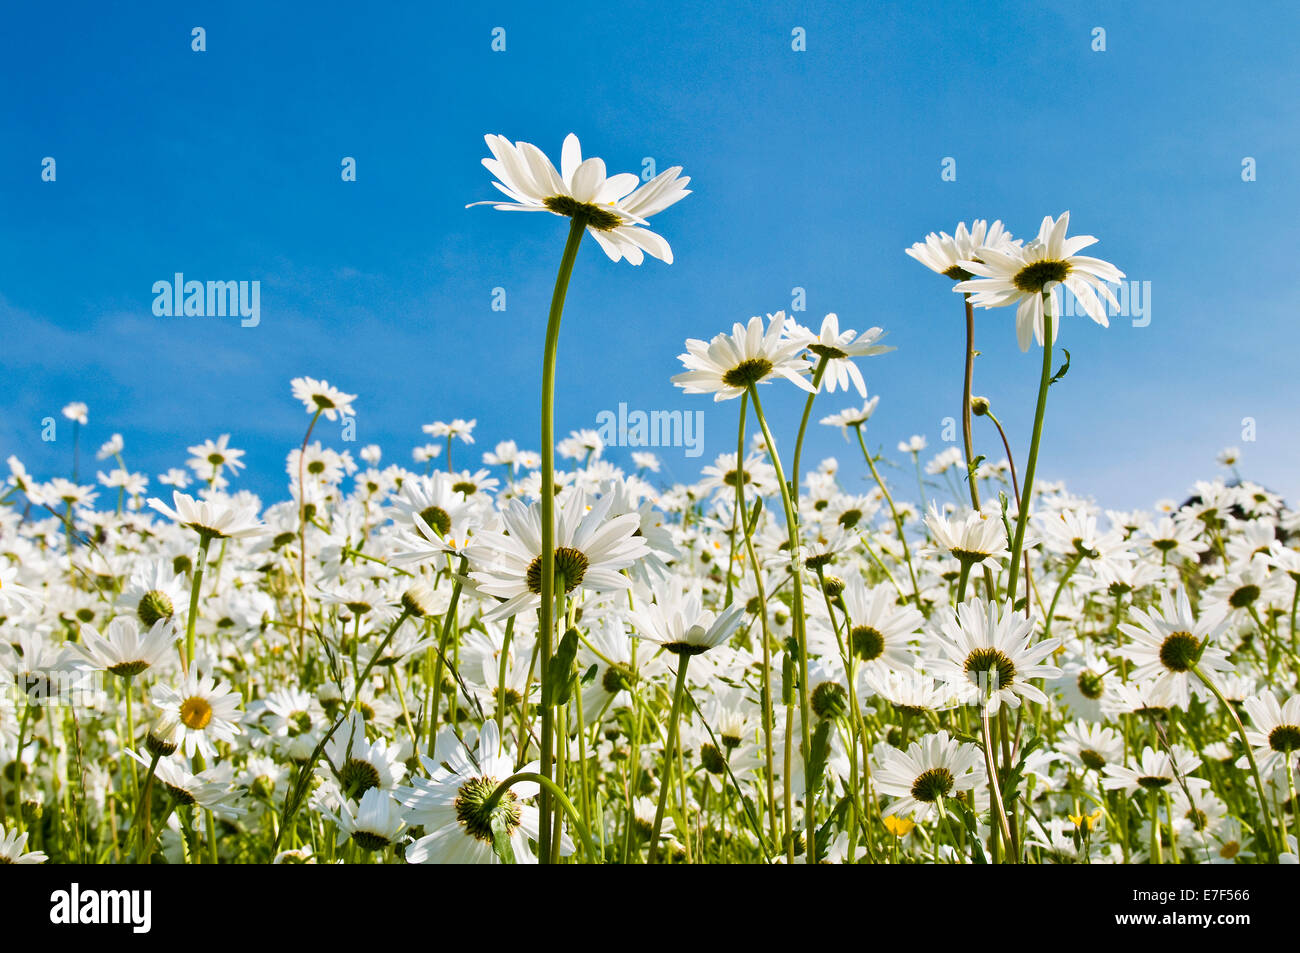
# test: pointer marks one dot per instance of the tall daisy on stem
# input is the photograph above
(614, 210)
(679, 624)
(943, 253)
(731, 365)
(1029, 277)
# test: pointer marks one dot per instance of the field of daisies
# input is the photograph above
(546, 659)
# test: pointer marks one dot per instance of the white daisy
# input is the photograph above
(836, 348)
(122, 651)
(320, 398)
(728, 364)
(1011, 275)
(989, 655)
(613, 208)
(933, 768)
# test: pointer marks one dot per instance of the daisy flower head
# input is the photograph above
(677, 621)
(77, 412)
(936, 767)
(591, 549)
(1155, 770)
(462, 430)
(944, 253)
(455, 806)
(836, 349)
(210, 789)
(1168, 643)
(613, 208)
(206, 710)
(111, 447)
(880, 630)
(215, 519)
(320, 398)
(973, 539)
(729, 364)
(12, 849)
(852, 416)
(1026, 276)
(989, 655)
(211, 456)
(375, 823)
(1275, 729)
(121, 650)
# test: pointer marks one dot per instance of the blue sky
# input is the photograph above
(811, 169)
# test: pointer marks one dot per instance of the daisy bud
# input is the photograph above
(418, 600)
(979, 406)
(164, 736)
(154, 606)
(829, 700)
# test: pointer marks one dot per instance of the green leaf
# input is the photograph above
(501, 845)
(972, 829)
(827, 830)
(589, 675)
(560, 676)
(1065, 368)
(821, 752)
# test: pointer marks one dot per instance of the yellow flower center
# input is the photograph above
(196, 713)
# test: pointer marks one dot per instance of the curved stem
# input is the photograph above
(898, 521)
(800, 632)
(665, 782)
(737, 512)
(1250, 755)
(545, 634)
(1027, 498)
(205, 540)
(550, 787)
(803, 422)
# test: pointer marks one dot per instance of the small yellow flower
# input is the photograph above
(900, 827)
(1086, 821)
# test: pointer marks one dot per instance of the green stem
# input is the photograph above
(800, 632)
(898, 521)
(205, 540)
(665, 782)
(546, 784)
(545, 632)
(1027, 498)
(1250, 756)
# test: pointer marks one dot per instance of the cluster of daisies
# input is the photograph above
(561, 660)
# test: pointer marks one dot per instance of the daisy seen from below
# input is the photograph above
(835, 350)
(1028, 276)
(375, 823)
(989, 655)
(1275, 731)
(1169, 643)
(852, 416)
(453, 806)
(729, 364)
(944, 253)
(931, 769)
(212, 518)
(319, 398)
(972, 539)
(12, 849)
(613, 209)
(590, 551)
(121, 650)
